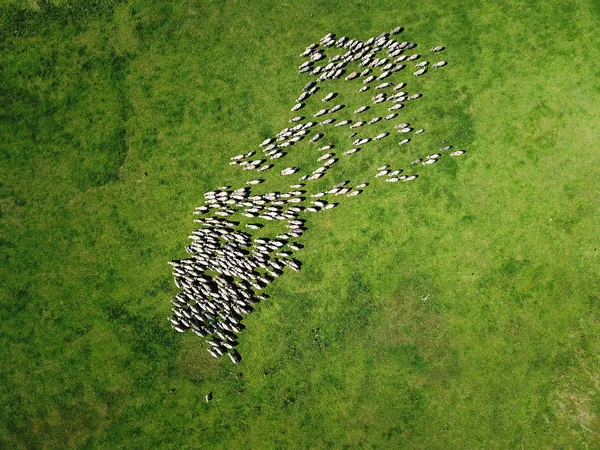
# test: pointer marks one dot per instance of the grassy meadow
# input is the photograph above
(116, 117)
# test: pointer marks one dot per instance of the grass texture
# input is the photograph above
(115, 118)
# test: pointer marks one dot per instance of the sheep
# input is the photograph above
(235, 357)
(325, 147)
(342, 191)
(302, 97)
(265, 167)
(289, 171)
(214, 305)
(309, 86)
(324, 157)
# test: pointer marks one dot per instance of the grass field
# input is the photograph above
(116, 117)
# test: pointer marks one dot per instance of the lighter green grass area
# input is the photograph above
(115, 119)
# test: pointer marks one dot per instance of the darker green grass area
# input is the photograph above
(459, 311)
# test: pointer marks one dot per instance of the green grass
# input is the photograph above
(116, 118)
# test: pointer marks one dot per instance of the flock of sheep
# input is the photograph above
(227, 269)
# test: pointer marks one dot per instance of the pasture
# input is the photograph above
(116, 118)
